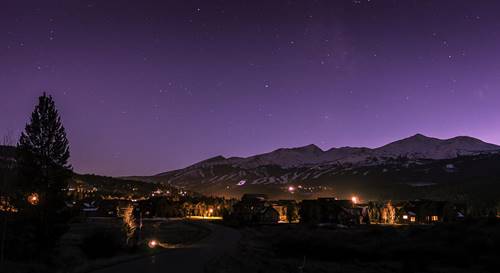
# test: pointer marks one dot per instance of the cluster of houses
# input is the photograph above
(257, 209)
(153, 207)
(415, 212)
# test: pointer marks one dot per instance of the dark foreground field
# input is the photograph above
(97, 242)
(459, 247)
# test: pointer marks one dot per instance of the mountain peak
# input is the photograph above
(419, 137)
(310, 147)
(420, 146)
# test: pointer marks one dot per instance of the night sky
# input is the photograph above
(149, 86)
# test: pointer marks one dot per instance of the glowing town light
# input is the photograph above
(405, 217)
(354, 199)
(291, 189)
(210, 210)
(33, 199)
(152, 243)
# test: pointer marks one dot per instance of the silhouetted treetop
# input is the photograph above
(45, 137)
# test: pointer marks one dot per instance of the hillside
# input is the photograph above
(396, 170)
(105, 185)
(461, 178)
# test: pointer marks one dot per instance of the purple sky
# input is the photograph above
(149, 86)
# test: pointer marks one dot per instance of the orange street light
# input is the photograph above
(354, 199)
(153, 243)
(33, 199)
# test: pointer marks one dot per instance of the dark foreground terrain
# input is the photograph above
(459, 247)
(96, 243)
(188, 259)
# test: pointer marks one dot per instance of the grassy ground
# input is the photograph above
(460, 247)
(168, 233)
(71, 257)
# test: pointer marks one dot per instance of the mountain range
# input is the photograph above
(311, 167)
(415, 147)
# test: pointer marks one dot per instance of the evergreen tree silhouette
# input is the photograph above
(44, 170)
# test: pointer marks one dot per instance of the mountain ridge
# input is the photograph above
(417, 146)
(396, 166)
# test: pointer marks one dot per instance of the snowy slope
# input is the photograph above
(417, 146)
(310, 154)
(309, 163)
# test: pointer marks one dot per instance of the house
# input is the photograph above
(254, 209)
(426, 212)
(331, 211)
(405, 213)
(435, 211)
(287, 209)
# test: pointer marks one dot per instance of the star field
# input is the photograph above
(148, 86)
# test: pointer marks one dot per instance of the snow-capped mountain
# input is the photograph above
(415, 147)
(310, 164)
(420, 146)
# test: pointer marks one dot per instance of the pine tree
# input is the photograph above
(44, 151)
(44, 172)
